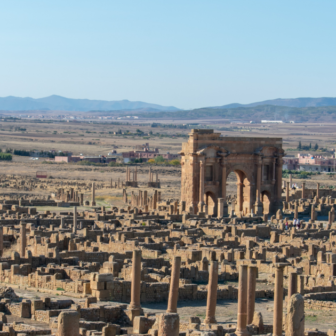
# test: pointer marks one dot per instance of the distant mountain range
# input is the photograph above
(291, 102)
(290, 109)
(58, 103)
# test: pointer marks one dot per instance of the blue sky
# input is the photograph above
(184, 53)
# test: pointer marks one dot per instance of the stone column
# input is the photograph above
(303, 189)
(317, 190)
(258, 196)
(23, 240)
(258, 206)
(68, 323)
(136, 281)
(296, 211)
(287, 192)
(251, 288)
(93, 201)
(174, 285)
(242, 302)
(239, 197)
(221, 207)
(74, 227)
(168, 325)
(278, 301)
(295, 316)
(150, 175)
(290, 181)
(1, 241)
(201, 185)
(224, 182)
(292, 285)
(279, 179)
(273, 175)
(312, 212)
(212, 293)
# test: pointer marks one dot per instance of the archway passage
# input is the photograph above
(243, 204)
(266, 201)
(210, 201)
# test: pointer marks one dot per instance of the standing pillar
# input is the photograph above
(225, 205)
(150, 174)
(303, 189)
(296, 211)
(274, 175)
(220, 207)
(258, 207)
(224, 182)
(242, 302)
(168, 325)
(93, 200)
(295, 316)
(278, 301)
(317, 190)
(23, 240)
(212, 293)
(68, 323)
(74, 228)
(287, 192)
(278, 181)
(174, 285)
(290, 181)
(1, 241)
(136, 281)
(251, 288)
(201, 186)
(292, 285)
(312, 212)
(239, 197)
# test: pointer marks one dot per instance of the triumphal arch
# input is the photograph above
(208, 158)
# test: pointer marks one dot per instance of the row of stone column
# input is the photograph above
(134, 173)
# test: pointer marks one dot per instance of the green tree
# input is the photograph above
(316, 146)
(299, 146)
(159, 159)
(310, 146)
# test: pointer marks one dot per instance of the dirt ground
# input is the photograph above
(226, 310)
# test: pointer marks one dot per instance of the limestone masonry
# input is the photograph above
(71, 267)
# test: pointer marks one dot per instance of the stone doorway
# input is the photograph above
(211, 202)
(266, 201)
(243, 204)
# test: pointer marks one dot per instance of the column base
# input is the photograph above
(210, 320)
(93, 203)
(242, 333)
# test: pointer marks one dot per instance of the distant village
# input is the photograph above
(141, 154)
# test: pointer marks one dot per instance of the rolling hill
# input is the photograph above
(58, 103)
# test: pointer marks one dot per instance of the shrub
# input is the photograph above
(151, 161)
(5, 156)
(175, 162)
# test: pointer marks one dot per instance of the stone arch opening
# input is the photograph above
(266, 201)
(243, 199)
(211, 202)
